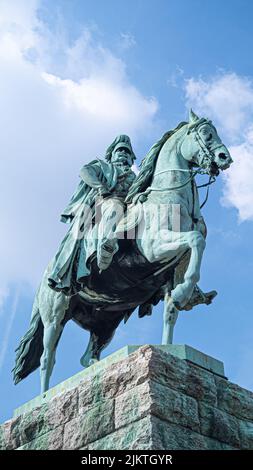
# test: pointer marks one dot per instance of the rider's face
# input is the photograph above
(122, 155)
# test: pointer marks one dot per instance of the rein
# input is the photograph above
(212, 179)
(207, 154)
(194, 173)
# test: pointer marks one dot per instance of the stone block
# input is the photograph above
(182, 376)
(132, 405)
(134, 436)
(123, 375)
(174, 406)
(169, 436)
(219, 425)
(140, 398)
(62, 409)
(33, 425)
(89, 426)
(52, 440)
(10, 434)
(246, 434)
(234, 399)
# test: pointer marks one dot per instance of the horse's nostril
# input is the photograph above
(222, 156)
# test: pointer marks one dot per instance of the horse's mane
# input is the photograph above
(147, 167)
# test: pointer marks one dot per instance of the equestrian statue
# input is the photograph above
(133, 240)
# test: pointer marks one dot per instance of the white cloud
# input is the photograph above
(238, 190)
(228, 100)
(104, 100)
(176, 77)
(63, 104)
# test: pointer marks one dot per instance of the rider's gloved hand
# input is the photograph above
(104, 191)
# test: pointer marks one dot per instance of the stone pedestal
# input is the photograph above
(141, 397)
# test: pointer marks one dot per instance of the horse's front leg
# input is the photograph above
(171, 244)
(170, 315)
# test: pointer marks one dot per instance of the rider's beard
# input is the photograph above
(122, 160)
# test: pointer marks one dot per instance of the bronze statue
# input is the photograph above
(100, 273)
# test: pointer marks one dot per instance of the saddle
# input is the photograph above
(130, 281)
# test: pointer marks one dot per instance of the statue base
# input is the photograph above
(141, 397)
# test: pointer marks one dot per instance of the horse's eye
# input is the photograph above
(209, 137)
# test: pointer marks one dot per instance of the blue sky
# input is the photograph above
(73, 74)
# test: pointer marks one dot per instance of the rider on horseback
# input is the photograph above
(121, 157)
(106, 182)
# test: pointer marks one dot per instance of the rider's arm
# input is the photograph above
(92, 175)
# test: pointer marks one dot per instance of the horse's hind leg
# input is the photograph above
(53, 306)
(96, 345)
(100, 336)
(92, 353)
(51, 337)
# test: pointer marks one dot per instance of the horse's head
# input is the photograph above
(203, 147)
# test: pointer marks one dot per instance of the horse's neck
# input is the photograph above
(170, 158)
(164, 179)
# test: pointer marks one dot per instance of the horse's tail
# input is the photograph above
(30, 348)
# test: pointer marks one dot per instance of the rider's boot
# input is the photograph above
(105, 253)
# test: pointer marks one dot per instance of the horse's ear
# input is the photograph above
(192, 116)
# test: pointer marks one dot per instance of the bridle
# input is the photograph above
(207, 157)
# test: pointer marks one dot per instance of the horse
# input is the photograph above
(161, 263)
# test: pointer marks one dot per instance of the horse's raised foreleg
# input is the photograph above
(183, 292)
(171, 244)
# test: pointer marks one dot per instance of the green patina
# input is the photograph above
(94, 283)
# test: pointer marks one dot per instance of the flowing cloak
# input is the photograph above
(76, 245)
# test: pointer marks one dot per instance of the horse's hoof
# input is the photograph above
(88, 362)
(93, 361)
(84, 364)
(210, 296)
